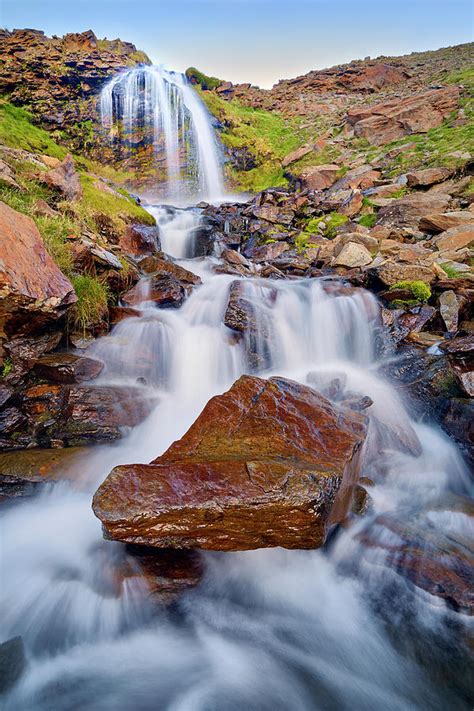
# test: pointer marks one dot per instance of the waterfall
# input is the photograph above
(268, 629)
(149, 105)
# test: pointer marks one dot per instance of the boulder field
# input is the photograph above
(268, 463)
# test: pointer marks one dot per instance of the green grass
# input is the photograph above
(268, 136)
(6, 367)
(91, 308)
(368, 220)
(55, 231)
(17, 131)
(451, 271)
(420, 291)
(204, 81)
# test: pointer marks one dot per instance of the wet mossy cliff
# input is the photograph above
(59, 78)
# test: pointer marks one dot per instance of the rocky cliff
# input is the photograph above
(59, 78)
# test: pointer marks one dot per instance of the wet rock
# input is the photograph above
(32, 288)
(449, 310)
(79, 415)
(167, 574)
(427, 177)
(12, 662)
(269, 463)
(11, 420)
(457, 419)
(459, 347)
(164, 290)
(353, 255)
(67, 368)
(63, 179)
(23, 473)
(163, 267)
(24, 351)
(118, 313)
(440, 563)
(140, 240)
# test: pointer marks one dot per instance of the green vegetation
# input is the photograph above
(6, 367)
(420, 291)
(92, 301)
(17, 131)
(451, 271)
(332, 221)
(204, 81)
(368, 220)
(267, 135)
(55, 231)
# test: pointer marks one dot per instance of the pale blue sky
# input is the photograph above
(255, 40)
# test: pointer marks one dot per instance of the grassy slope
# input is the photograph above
(87, 214)
(269, 136)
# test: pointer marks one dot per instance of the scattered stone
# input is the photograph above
(455, 238)
(449, 310)
(428, 176)
(353, 255)
(140, 240)
(296, 155)
(319, 177)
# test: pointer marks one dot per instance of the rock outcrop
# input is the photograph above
(32, 288)
(269, 463)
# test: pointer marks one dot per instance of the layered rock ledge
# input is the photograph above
(268, 463)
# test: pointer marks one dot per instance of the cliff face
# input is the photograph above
(59, 78)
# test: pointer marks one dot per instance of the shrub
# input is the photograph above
(202, 79)
(420, 291)
(368, 220)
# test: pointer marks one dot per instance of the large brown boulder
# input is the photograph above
(268, 463)
(32, 288)
(387, 121)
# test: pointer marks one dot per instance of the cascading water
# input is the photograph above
(151, 105)
(268, 629)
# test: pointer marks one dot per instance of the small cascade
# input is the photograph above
(267, 629)
(149, 105)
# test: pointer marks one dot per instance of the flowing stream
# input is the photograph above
(332, 629)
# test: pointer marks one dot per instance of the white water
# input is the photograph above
(162, 105)
(267, 629)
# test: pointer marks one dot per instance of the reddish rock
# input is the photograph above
(118, 313)
(408, 210)
(440, 222)
(158, 266)
(385, 122)
(164, 291)
(428, 176)
(67, 368)
(32, 288)
(319, 177)
(274, 213)
(455, 238)
(140, 240)
(63, 179)
(296, 155)
(267, 252)
(21, 473)
(269, 463)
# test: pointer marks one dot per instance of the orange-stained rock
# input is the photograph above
(387, 121)
(268, 463)
(31, 285)
(456, 237)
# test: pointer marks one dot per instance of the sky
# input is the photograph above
(257, 41)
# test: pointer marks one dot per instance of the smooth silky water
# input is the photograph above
(267, 629)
